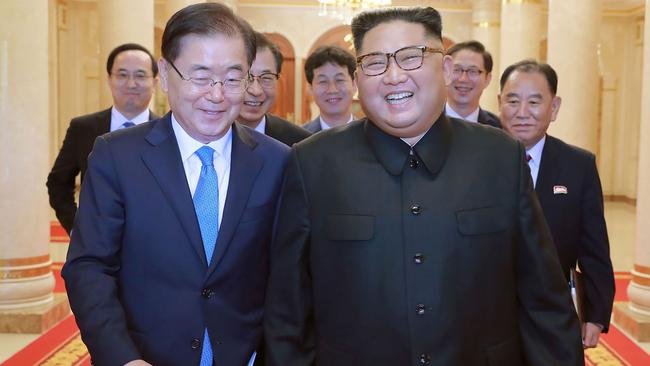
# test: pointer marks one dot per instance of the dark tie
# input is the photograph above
(206, 205)
(528, 158)
(127, 124)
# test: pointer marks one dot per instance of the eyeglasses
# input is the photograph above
(122, 78)
(472, 73)
(267, 80)
(202, 85)
(407, 58)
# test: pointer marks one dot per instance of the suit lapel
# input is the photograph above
(104, 122)
(164, 162)
(244, 167)
(549, 169)
(269, 129)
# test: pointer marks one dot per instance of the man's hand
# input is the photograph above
(590, 334)
(138, 363)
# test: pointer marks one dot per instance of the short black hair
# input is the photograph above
(205, 19)
(531, 66)
(130, 47)
(474, 46)
(263, 42)
(332, 54)
(428, 17)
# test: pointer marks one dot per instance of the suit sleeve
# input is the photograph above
(593, 257)
(549, 327)
(92, 267)
(61, 180)
(288, 319)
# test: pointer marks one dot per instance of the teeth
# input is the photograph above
(398, 97)
(253, 104)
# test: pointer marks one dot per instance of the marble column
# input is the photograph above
(573, 34)
(521, 30)
(634, 316)
(122, 21)
(486, 28)
(26, 281)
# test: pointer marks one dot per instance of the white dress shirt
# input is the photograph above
(118, 119)
(192, 164)
(261, 127)
(535, 154)
(472, 117)
(324, 126)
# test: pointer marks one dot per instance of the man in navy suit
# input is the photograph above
(168, 259)
(568, 187)
(471, 74)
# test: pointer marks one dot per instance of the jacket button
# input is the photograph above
(425, 359)
(420, 308)
(207, 293)
(195, 343)
(418, 258)
(413, 163)
(416, 209)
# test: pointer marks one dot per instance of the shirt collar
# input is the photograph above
(118, 118)
(188, 145)
(261, 127)
(535, 152)
(325, 126)
(472, 117)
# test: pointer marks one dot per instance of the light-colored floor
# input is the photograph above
(621, 225)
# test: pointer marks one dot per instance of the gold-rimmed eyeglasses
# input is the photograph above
(267, 80)
(204, 84)
(407, 58)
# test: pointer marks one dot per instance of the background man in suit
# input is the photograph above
(132, 76)
(397, 244)
(168, 259)
(471, 74)
(261, 93)
(567, 184)
(330, 73)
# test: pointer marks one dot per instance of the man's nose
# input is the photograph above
(394, 74)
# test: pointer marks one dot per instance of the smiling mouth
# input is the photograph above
(253, 103)
(398, 98)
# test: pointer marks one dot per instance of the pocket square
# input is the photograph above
(560, 190)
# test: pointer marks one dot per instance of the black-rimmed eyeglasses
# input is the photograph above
(407, 58)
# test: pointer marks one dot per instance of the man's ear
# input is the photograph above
(163, 71)
(555, 105)
(488, 79)
(447, 67)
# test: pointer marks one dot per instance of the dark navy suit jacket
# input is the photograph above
(136, 273)
(569, 190)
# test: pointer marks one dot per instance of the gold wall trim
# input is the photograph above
(15, 262)
(642, 269)
(487, 24)
(14, 274)
(522, 2)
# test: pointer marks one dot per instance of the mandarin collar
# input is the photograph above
(393, 153)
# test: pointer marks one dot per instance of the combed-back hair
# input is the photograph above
(263, 42)
(531, 66)
(474, 46)
(130, 47)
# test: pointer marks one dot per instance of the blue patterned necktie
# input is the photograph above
(206, 205)
(127, 124)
